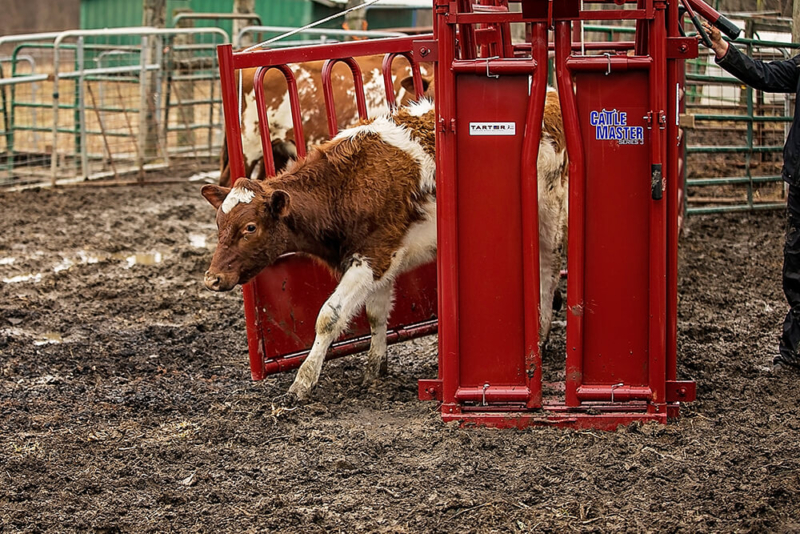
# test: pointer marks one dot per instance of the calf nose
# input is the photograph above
(212, 281)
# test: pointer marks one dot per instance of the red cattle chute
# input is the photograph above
(619, 105)
(623, 217)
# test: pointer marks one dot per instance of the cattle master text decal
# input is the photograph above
(492, 128)
(613, 126)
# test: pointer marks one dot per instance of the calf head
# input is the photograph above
(251, 223)
(409, 96)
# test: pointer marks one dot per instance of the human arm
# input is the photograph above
(774, 76)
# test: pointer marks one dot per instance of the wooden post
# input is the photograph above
(795, 21)
(243, 6)
(355, 20)
(155, 15)
(184, 89)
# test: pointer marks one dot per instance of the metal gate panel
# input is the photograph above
(617, 200)
(489, 212)
(281, 304)
(289, 294)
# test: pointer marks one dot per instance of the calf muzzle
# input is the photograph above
(218, 282)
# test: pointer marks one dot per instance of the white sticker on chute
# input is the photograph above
(493, 128)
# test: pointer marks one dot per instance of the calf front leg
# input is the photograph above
(355, 287)
(379, 304)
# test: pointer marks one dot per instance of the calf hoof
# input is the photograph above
(300, 392)
(372, 373)
(368, 380)
(286, 401)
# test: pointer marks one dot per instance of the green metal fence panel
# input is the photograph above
(97, 14)
(117, 14)
(285, 12)
(734, 151)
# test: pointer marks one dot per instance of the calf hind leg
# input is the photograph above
(379, 304)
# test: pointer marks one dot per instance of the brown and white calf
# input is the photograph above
(312, 106)
(365, 204)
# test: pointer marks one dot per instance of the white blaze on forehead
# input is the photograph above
(237, 194)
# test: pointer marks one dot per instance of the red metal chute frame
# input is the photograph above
(625, 201)
(282, 302)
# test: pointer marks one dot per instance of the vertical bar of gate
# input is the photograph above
(658, 257)
(391, 98)
(263, 121)
(577, 214)
(675, 153)
(466, 33)
(748, 157)
(447, 215)
(233, 136)
(210, 136)
(530, 214)
(327, 91)
(161, 131)
(82, 110)
(54, 150)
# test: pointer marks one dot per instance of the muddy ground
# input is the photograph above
(126, 403)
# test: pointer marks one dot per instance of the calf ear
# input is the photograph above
(215, 194)
(408, 84)
(279, 204)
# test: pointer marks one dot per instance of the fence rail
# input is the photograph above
(738, 130)
(132, 99)
(84, 104)
(120, 100)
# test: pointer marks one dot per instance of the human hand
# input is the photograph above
(718, 44)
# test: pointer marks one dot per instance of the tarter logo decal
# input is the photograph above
(613, 126)
(493, 128)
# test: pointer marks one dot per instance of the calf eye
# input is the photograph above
(250, 228)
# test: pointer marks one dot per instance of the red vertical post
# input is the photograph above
(233, 136)
(263, 123)
(658, 235)
(530, 214)
(447, 216)
(577, 212)
(230, 107)
(386, 67)
(675, 143)
(466, 35)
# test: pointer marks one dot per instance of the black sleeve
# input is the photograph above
(774, 77)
